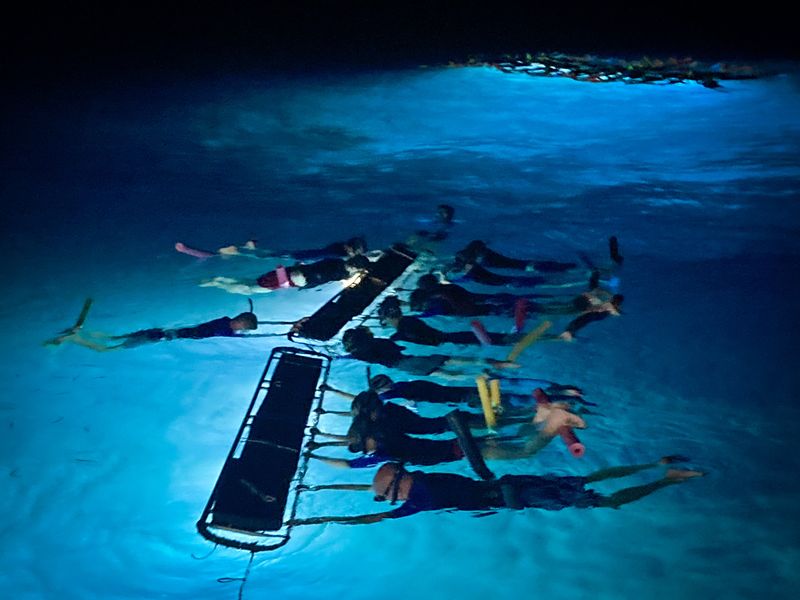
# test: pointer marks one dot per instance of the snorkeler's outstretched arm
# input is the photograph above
(354, 520)
(333, 436)
(326, 388)
(335, 462)
(339, 413)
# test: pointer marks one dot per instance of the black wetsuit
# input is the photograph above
(439, 491)
(478, 274)
(322, 271)
(451, 299)
(402, 420)
(586, 318)
(427, 391)
(480, 253)
(385, 352)
(419, 390)
(435, 236)
(217, 328)
(334, 250)
(412, 450)
(415, 330)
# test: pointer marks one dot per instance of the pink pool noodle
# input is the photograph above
(283, 277)
(520, 312)
(183, 248)
(570, 439)
(480, 332)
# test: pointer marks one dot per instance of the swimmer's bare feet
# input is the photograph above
(228, 250)
(672, 458)
(677, 475)
(215, 282)
(250, 244)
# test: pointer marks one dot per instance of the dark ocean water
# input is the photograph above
(108, 459)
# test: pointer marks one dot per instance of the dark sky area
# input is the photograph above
(106, 39)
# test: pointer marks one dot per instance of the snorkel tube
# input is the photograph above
(574, 445)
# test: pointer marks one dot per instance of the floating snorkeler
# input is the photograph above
(477, 252)
(363, 345)
(346, 249)
(433, 297)
(102, 342)
(380, 439)
(422, 390)
(443, 222)
(420, 491)
(415, 330)
(296, 276)
(399, 419)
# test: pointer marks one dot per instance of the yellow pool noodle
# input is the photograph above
(527, 341)
(486, 402)
(494, 392)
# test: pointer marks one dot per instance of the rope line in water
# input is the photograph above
(243, 579)
(206, 556)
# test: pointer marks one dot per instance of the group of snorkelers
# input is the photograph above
(390, 435)
(389, 431)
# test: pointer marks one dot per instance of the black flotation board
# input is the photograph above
(247, 505)
(353, 300)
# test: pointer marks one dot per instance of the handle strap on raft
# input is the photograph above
(468, 445)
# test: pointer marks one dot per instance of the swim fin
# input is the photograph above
(62, 337)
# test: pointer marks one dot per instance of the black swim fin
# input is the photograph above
(613, 247)
(470, 448)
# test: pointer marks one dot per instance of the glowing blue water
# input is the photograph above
(108, 459)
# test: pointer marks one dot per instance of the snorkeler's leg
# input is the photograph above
(512, 449)
(77, 339)
(615, 472)
(234, 286)
(631, 494)
(448, 374)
